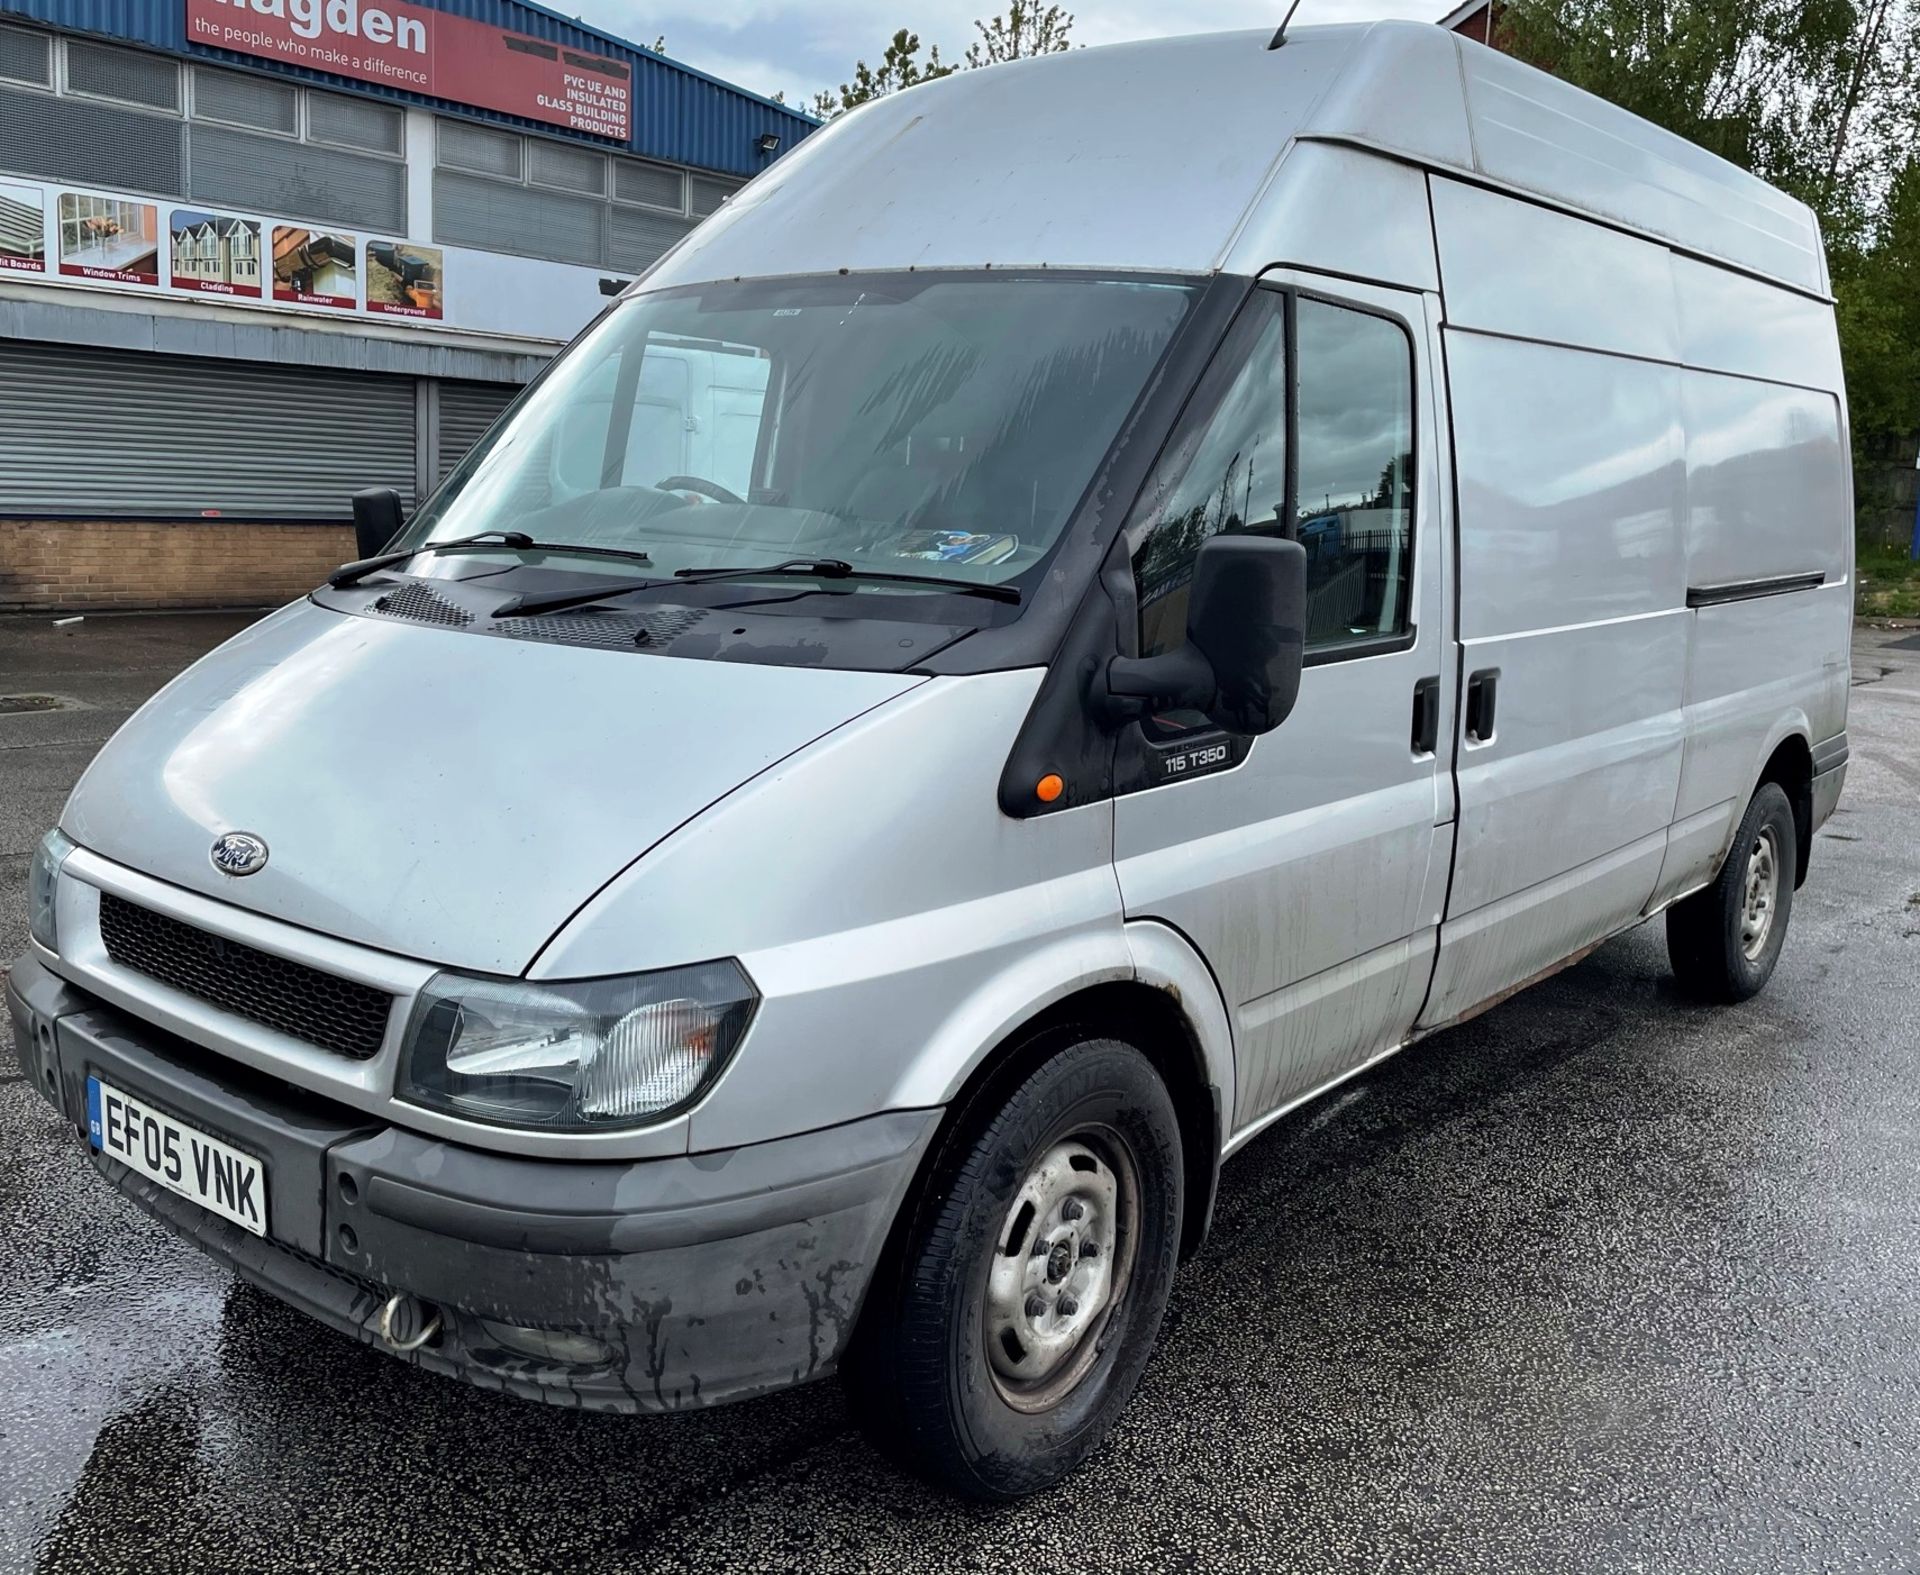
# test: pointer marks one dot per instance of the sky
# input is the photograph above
(802, 46)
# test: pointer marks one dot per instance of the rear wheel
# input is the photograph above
(1724, 940)
(1024, 1296)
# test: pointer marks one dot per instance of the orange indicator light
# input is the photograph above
(1049, 788)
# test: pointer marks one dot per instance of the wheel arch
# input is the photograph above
(1790, 766)
(1170, 1009)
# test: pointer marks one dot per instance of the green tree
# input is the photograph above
(1018, 32)
(900, 67)
(1816, 97)
(1878, 287)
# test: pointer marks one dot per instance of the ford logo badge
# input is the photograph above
(239, 853)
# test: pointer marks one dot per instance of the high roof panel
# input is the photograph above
(1137, 156)
(1151, 155)
(1519, 127)
(1535, 132)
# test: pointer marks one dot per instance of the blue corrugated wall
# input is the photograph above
(679, 114)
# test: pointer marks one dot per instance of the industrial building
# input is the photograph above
(256, 254)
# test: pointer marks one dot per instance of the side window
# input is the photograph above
(1351, 506)
(1225, 470)
(1355, 441)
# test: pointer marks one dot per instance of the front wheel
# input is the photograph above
(1724, 940)
(1030, 1280)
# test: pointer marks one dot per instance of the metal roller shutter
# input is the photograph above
(466, 411)
(109, 433)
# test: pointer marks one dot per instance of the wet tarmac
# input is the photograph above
(1600, 1280)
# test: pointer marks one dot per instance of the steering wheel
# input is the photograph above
(707, 489)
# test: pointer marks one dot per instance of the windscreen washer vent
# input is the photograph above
(415, 601)
(659, 626)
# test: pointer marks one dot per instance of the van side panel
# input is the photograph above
(1767, 498)
(1571, 463)
(1730, 323)
(1630, 426)
(1571, 482)
(1531, 273)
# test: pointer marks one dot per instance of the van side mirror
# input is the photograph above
(377, 519)
(1246, 637)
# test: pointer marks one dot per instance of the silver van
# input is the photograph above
(1212, 560)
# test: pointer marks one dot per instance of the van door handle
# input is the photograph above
(1426, 716)
(1482, 689)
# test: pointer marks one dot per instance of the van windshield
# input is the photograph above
(920, 424)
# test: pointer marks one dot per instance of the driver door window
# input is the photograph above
(1349, 499)
(1355, 440)
(1225, 470)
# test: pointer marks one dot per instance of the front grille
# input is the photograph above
(275, 992)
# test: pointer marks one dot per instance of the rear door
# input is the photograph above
(1310, 867)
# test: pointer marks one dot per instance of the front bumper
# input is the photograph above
(708, 1277)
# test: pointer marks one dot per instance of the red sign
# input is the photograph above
(425, 51)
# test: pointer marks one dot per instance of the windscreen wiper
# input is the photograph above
(840, 569)
(824, 568)
(519, 541)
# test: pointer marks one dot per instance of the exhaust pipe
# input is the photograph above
(406, 1323)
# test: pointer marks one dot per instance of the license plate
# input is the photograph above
(181, 1158)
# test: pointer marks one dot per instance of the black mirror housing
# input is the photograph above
(1246, 639)
(377, 518)
(1247, 615)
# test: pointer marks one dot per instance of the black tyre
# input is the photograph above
(1026, 1286)
(1724, 940)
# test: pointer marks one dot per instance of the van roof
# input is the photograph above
(1150, 156)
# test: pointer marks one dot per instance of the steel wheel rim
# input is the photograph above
(1761, 896)
(1061, 1267)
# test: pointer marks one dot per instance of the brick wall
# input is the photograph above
(1886, 489)
(1477, 25)
(79, 565)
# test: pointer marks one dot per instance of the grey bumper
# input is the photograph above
(709, 1277)
(1829, 776)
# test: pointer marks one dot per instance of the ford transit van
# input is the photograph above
(1203, 563)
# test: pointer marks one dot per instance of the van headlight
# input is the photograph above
(43, 884)
(581, 1056)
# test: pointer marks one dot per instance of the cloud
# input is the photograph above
(801, 46)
